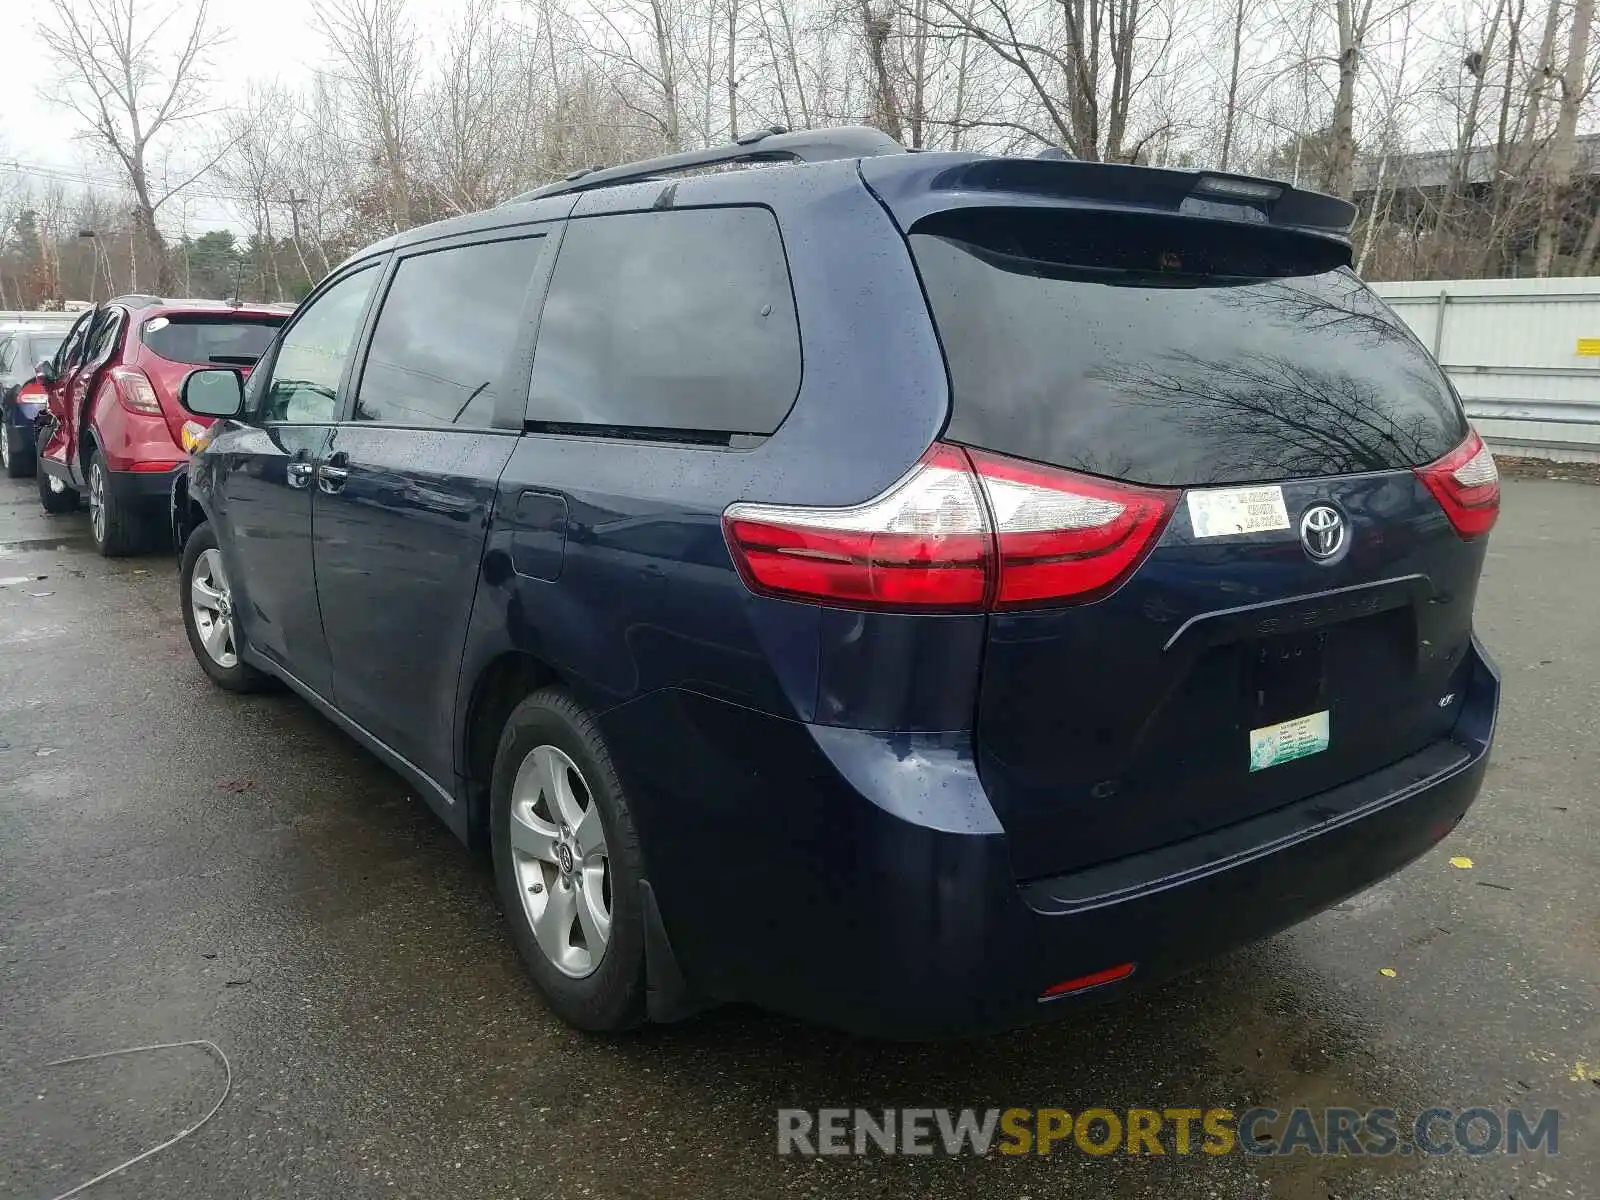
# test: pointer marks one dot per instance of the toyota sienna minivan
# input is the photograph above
(911, 591)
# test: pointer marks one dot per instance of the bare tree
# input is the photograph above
(1079, 66)
(375, 48)
(1557, 198)
(131, 83)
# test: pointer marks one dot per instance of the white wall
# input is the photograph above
(1511, 348)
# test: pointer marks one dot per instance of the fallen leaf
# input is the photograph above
(1388, 972)
(1461, 862)
(1583, 1072)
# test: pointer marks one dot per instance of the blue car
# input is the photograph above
(21, 398)
(911, 591)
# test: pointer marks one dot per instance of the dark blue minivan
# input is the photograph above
(905, 590)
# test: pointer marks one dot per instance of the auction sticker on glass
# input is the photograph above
(1222, 511)
(1288, 740)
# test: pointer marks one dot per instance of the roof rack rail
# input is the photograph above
(769, 145)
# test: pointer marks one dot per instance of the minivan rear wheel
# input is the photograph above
(567, 865)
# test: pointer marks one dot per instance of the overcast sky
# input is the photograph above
(265, 40)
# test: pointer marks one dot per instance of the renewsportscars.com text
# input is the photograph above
(1378, 1132)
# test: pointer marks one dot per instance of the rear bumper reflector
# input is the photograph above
(1083, 983)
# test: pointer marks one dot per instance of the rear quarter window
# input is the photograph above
(1131, 349)
(209, 341)
(677, 321)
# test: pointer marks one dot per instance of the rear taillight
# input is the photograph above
(961, 531)
(924, 543)
(1063, 535)
(135, 390)
(1467, 485)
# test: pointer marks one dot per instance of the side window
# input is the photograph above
(444, 334)
(68, 354)
(104, 337)
(8, 351)
(312, 356)
(678, 320)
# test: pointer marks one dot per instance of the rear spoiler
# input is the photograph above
(913, 186)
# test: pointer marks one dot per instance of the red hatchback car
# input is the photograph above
(114, 428)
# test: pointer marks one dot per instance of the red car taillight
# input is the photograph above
(1467, 485)
(963, 530)
(135, 390)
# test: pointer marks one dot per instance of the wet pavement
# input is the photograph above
(178, 864)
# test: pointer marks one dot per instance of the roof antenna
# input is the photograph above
(238, 271)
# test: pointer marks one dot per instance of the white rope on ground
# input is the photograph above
(172, 1141)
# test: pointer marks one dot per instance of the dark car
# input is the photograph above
(22, 397)
(114, 427)
(903, 590)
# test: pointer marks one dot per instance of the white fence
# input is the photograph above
(1523, 353)
(36, 318)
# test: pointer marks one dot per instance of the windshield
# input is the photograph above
(1160, 353)
(202, 340)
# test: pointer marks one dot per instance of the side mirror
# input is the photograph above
(213, 392)
(44, 371)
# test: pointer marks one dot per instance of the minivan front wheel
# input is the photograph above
(567, 864)
(205, 595)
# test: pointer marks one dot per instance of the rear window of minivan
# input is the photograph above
(1173, 351)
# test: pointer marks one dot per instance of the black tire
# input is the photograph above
(611, 998)
(238, 676)
(121, 529)
(52, 501)
(17, 461)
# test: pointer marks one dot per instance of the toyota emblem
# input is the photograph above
(1322, 531)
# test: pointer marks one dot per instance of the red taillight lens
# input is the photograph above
(1066, 535)
(1467, 485)
(135, 390)
(962, 530)
(924, 543)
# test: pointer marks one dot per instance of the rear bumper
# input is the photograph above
(865, 883)
(20, 416)
(144, 489)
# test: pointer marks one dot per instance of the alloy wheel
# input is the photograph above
(97, 501)
(212, 602)
(5, 440)
(558, 851)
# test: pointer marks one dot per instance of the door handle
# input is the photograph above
(332, 479)
(333, 473)
(300, 469)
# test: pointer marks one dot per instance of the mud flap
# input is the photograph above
(667, 994)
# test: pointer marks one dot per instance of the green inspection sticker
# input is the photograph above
(1288, 740)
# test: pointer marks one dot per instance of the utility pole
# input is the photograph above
(294, 202)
